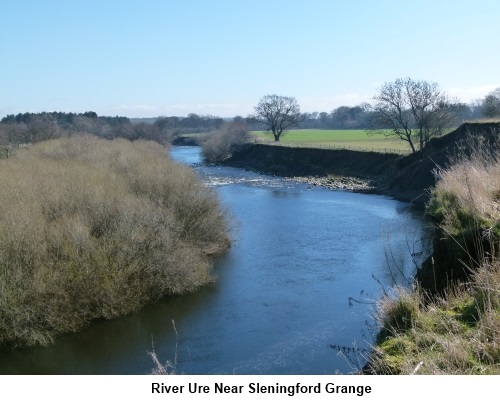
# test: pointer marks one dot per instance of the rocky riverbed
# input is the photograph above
(336, 182)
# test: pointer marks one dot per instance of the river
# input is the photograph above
(295, 294)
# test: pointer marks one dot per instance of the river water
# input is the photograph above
(295, 293)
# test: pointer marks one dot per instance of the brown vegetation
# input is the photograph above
(95, 229)
(456, 331)
(221, 144)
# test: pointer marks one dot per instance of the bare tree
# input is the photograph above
(277, 114)
(491, 104)
(13, 134)
(42, 127)
(412, 110)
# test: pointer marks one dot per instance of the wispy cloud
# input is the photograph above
(468, 94)
(327, 104)
(138, 110)
(220, 109)
(307, 104)
(181, 109)
(6, 111)
(139, 107)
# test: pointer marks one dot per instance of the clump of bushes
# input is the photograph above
(458, 330)
(94, 229)
(221, 144)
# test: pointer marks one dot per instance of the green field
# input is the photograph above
(356, 139)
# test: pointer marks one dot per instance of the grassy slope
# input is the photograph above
(457, 332)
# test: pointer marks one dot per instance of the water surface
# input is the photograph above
(300, 281)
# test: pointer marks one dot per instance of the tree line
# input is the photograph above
(28, 128)
(361, 116)
(412, 110)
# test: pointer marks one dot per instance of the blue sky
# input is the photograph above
(148, 58)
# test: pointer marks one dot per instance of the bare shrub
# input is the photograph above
(94, 229)
(221, 144)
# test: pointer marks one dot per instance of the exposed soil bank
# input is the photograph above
(406, 178)
(337, 169)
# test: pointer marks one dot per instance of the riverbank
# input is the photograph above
(450, 322)
(281, 299)
(406, 178)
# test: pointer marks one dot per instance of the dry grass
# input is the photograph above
(95, 229)
(458, 332)
(469, 190)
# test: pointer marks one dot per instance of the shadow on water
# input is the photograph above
(109, 347)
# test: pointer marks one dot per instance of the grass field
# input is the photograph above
(356, 139)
